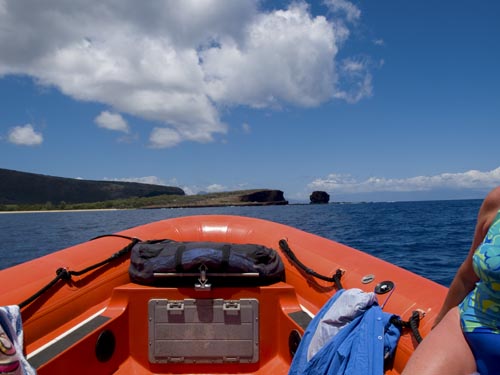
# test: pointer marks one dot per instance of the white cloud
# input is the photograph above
(24, 135)
(112, 121)
(164, 137)
(350, 10)
(356, 80)
(472, 179)
(287, 57)
(212, 188)
(215, 188)
(188, 190)
(141, 58)
(247, 129)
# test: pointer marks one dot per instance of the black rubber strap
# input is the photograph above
(178, 258)
(226, 252)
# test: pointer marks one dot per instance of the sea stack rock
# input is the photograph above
(319, 197)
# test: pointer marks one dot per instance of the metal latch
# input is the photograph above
(231, 306)
(175, 306)
(203, 284)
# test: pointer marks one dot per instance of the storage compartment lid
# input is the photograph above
(203, 331)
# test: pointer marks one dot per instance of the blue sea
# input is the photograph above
(430, 238)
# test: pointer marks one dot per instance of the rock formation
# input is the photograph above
(319, 197)
(264, 197)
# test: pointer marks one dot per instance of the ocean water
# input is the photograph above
(429, 238)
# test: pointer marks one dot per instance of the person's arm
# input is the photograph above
(465, 278)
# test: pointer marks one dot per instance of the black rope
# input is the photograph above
(412, 323)
(65, 274)
(115, 235)
(61, 274)
(334, 279)
(116, 255)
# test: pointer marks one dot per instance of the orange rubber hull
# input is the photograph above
(62, 327)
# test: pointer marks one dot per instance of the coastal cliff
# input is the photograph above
(31, 188)
(256, 197)
(21, 191)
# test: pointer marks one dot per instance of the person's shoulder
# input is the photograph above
(489, 209)
(492, 200)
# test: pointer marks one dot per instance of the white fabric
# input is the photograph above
(352, 303)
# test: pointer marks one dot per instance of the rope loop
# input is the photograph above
(293, 258)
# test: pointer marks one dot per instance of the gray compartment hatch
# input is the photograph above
(203, 331)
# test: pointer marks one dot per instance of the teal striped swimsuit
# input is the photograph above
(481, 307)
(480, 310)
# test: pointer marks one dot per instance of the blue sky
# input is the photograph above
(367, 100)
